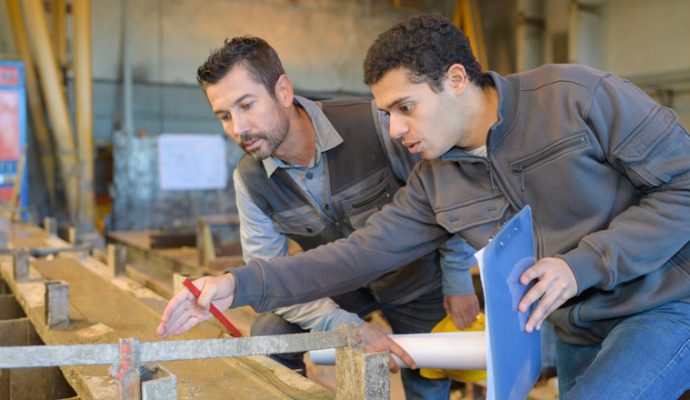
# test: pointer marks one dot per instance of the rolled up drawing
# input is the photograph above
(448, 350)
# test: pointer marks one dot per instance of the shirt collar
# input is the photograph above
(325, 134)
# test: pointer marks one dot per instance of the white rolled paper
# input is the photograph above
(444, 350)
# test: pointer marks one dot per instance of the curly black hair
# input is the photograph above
(254, 53)
(425, 45)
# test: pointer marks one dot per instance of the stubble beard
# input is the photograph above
(272, 140)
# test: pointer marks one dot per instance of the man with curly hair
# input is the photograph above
(314, 172)
(604, 168)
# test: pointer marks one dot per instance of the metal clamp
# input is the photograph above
(20, 265)
(125, 371)
(57, 304)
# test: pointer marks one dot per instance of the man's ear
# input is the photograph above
(457, 79)
(284, 91)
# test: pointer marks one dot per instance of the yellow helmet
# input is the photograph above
(447, 325)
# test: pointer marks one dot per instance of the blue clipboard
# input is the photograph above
(513, 356)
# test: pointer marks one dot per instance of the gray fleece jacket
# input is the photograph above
(605, 169)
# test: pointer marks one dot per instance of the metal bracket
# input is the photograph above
(158, 383)
(50, 226)
(125, 371)
(117, 259)
(57, 304)
(20, 265)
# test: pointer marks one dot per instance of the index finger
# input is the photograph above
(532, 273)
(174, 303)
(401, 354)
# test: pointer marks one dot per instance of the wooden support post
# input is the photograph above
(20, 265)
(178, 280)
(72, 236)
(50, 226)
(204, 242)
(57, 304)
(117, 259)
(55, 99)
(39, 126)
(81, 13)
(361, 376)
(58, 23)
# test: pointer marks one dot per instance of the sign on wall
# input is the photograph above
(12, 130)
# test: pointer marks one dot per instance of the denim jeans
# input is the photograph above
(417, 316)
(646, 356)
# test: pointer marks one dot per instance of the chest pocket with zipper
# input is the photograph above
(549, 153)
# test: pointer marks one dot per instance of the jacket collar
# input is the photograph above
(508, 102)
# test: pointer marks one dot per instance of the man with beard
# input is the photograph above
(315, 172)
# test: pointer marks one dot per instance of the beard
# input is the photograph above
(271, 141)
(265, 149)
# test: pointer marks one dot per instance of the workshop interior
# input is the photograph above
(118, 189)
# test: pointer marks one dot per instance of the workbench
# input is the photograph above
(101, 310)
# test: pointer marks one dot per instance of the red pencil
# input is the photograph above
(216, 313)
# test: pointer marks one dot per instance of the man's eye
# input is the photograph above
(247, 106)
(224, 117)
(406, 108)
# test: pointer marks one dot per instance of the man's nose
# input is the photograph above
(240, 125)
(398, 129)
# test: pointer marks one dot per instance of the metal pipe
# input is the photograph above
(81, 12)
(174, 350)
(56, 102)
(38, 122)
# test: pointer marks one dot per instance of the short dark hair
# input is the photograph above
(254, 53)
(426, 45)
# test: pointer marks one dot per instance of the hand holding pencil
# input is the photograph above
(186, 310)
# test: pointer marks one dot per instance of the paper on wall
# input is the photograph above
(191, 162)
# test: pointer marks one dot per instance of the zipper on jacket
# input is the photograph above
(489, 167)
(520, 167)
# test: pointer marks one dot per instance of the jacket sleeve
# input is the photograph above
(261, 241)
(646, 145)
(401, 232)
(456, 256)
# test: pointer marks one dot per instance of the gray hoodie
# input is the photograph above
(605, 169)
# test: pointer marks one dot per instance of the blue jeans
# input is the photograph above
(645, 356)
(417, 316)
